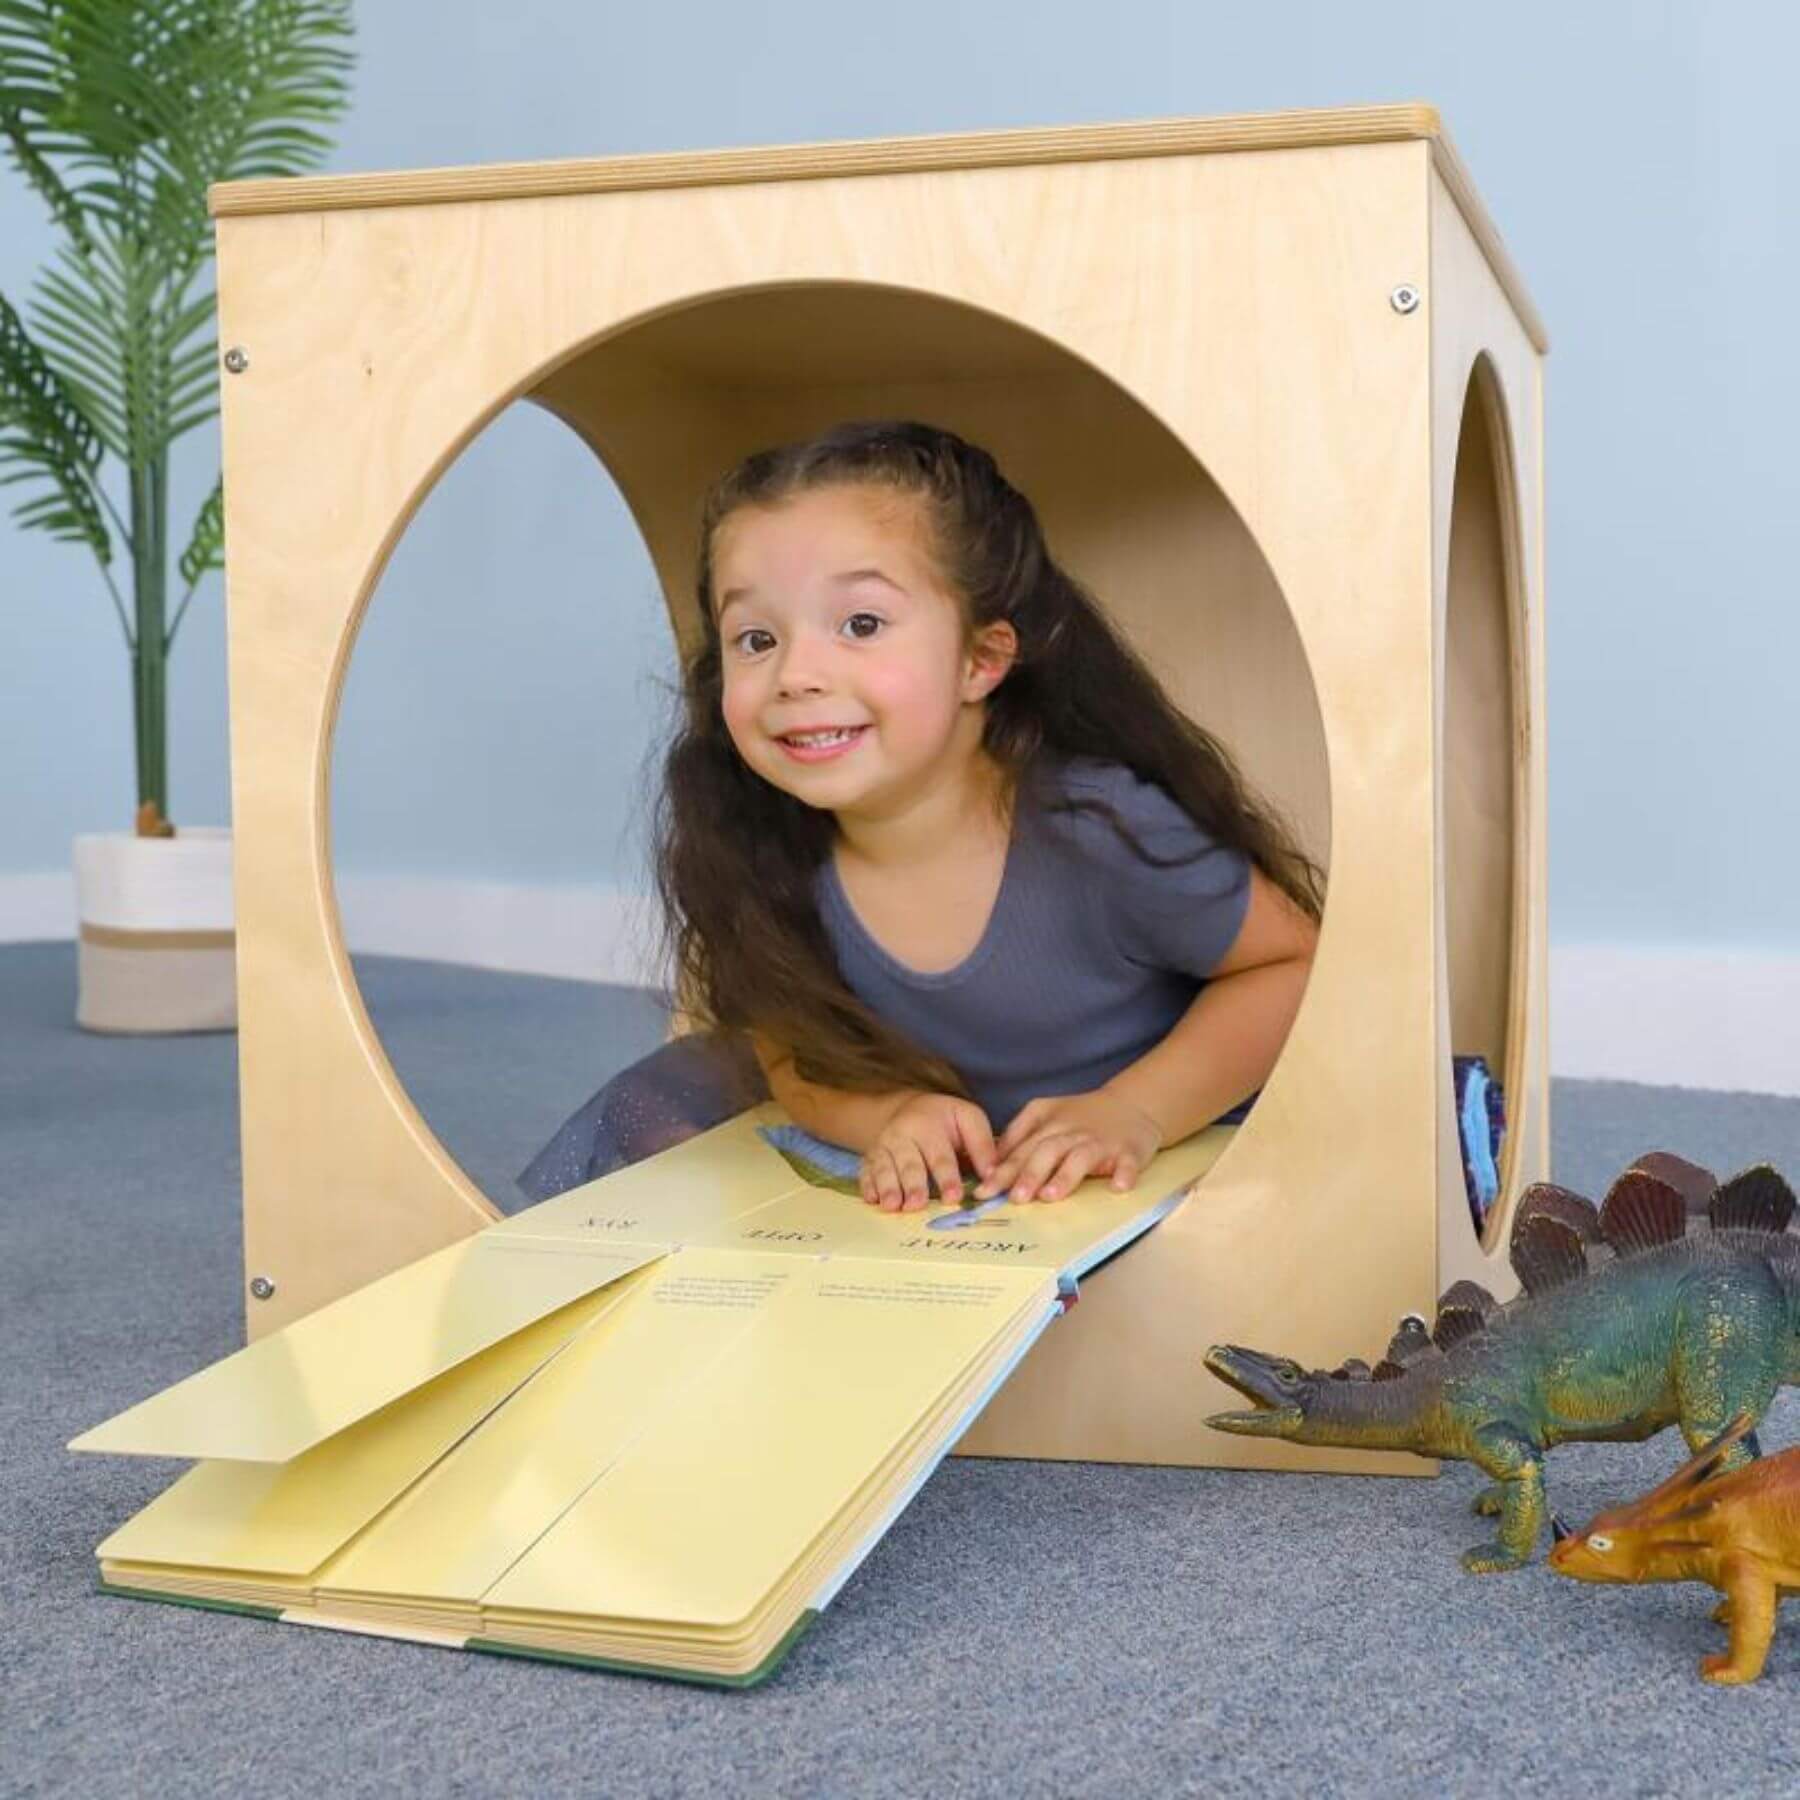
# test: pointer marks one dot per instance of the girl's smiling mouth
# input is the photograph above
(820, 746)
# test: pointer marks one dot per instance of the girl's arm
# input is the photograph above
(1221, 1050)
(834, 1114)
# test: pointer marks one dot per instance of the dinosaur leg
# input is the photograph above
(1489, 1502)
(1750, 1592)
(1518, 1466)
(1728, 1357)
(1721, 1614)
(1745, 1451)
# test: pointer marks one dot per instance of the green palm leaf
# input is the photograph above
(121, 114)
(45, 437)
(206, 544)
(112, 82)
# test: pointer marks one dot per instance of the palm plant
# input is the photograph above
(121, 113)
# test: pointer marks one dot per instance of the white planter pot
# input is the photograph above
(157, 950)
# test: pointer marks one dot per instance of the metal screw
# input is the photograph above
(237, 359)
(1405, 298)
(261, 1286)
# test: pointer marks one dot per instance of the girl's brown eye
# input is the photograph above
(863, 618)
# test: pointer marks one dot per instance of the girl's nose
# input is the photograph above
(799, 671)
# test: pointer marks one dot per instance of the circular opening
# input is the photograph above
(493, 747)
(487, 765)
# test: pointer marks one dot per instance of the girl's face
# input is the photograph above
(849, 678)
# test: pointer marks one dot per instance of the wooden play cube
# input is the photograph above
(1275, 388)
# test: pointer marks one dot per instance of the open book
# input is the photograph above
(651, 1424)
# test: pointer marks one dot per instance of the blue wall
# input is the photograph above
(1639, 159)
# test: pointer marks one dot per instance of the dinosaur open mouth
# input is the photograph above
(1267, 1382)
(1278, 1421)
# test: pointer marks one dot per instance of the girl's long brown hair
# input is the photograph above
(736, 857)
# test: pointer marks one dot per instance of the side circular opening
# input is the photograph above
(1484, 772)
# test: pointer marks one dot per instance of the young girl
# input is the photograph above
(941, 862)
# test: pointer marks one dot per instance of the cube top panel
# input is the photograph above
(1297, 129)
(852, 156)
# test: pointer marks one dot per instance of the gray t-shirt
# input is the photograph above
(1089, 956)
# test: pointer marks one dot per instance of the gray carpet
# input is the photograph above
(1024, 1628)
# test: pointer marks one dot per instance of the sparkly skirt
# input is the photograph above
(685, 1086)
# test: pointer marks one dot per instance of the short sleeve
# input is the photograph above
(1183, 916)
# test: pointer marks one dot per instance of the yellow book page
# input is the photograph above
(701, 1520)
(729, 1187)
(474, 1515)
(286, 1518)
(678, 1196)
(831, 1557)
(1044, 1235)
(246, 1589)
(305, 1383)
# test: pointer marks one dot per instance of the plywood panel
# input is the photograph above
(1235, 438)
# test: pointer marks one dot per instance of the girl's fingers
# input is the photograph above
(885, 1179)
(1072, 1172)
(945, 1172)
(1020, 1126)
(1125, 1174)
(977, 1138)
(999, 1178)
(913, 1182)
(1007, 1173)
(1002, 1175)
(1049, 1151)
(893, 1196)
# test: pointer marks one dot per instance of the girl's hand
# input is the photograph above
(923, 1135)
(1055, 1142)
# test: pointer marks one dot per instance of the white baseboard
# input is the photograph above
(582, 933)
(1676, 1016)
(37, 906)
(586, 933)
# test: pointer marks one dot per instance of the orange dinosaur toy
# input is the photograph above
(1739, 1532)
